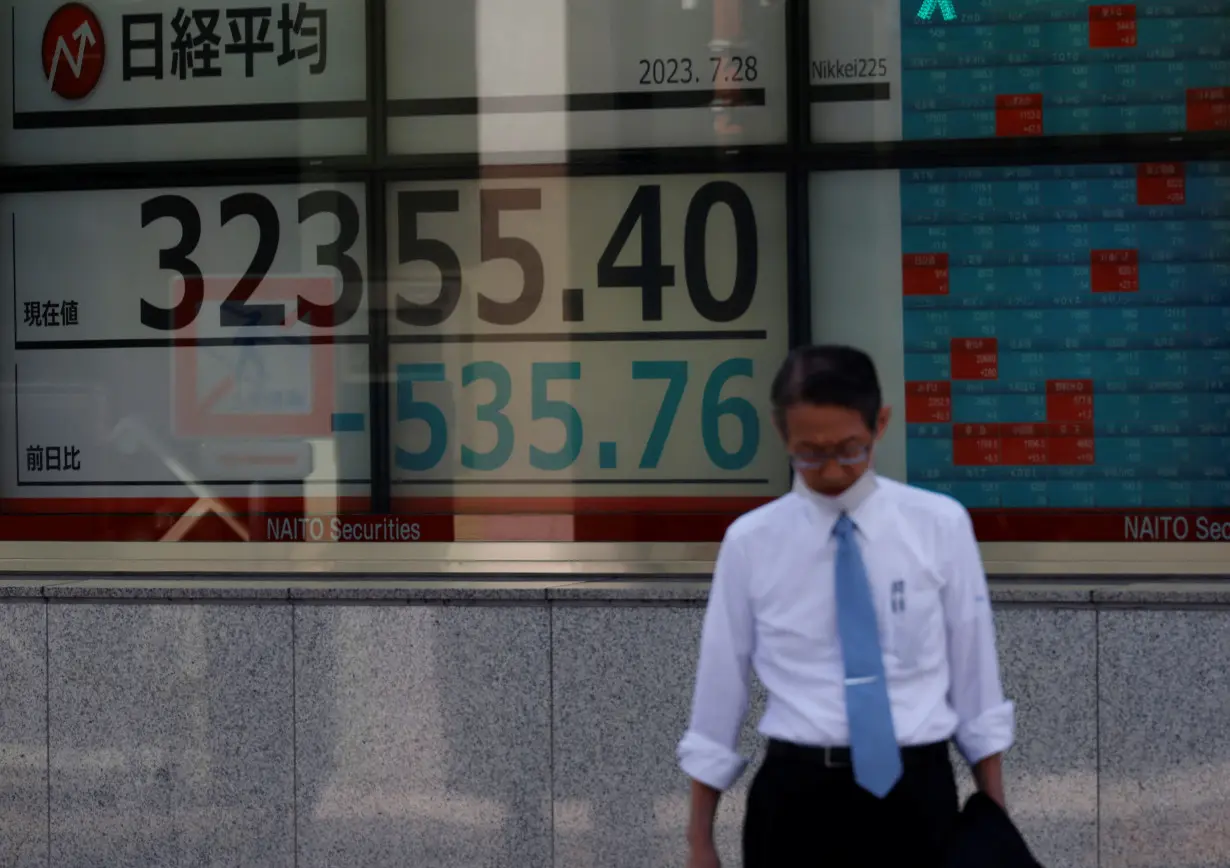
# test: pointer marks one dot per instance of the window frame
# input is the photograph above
(796, 159)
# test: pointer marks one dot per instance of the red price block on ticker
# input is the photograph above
(1071, 443)
(924, 274)
(1018, 114)
(1161, 184)
(1024, 444)
(1069, 400)
(1114, 270)
(1208, 108)
(1112, 26)
(976, 445)
(928, 402)
(1069, 429)
(973, 358)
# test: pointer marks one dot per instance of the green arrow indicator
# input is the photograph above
(947, 10)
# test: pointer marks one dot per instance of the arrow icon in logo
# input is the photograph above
(74, 51)
(84, 37)
(947, 10)
(85, 34)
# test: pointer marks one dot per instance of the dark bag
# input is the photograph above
(986, 837)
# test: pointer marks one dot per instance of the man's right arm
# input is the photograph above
(986, 726)
(707, 752)
(700, 819)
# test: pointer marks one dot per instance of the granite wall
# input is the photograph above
(145, 724)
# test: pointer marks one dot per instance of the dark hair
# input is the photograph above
(828, 374)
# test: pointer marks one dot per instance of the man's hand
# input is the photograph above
(989, 774)
(702, 854)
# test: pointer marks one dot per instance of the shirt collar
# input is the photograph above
(825, 510)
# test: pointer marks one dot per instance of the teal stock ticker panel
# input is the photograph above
(911, 70)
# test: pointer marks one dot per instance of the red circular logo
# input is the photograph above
(73, 51)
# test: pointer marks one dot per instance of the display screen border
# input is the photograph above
(797, 158)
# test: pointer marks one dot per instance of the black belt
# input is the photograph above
(839, 757)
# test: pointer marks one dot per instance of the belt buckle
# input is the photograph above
(830, 763)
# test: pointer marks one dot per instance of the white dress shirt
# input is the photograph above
(772, 608)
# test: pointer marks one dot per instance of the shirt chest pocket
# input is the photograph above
(915, 618)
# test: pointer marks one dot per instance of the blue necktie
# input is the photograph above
(873, 742)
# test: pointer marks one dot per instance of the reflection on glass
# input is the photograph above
(596, 349)
(214, 364)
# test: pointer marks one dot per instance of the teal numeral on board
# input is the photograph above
(409, 409)
(543, 407)
(947, 10)
(676, 376)
(713, 407)
(493, 413)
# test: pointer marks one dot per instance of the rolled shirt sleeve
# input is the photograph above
(986, 720)
(719, 703)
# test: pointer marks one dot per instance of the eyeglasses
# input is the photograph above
(845, 455)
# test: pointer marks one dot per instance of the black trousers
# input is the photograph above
(804, 814)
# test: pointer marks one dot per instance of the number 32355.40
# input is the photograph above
(644, 212)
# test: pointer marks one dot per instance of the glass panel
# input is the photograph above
(892, 70)
(131, 82)
(178, 358)
(1056, 338)
(529, 81)
(592, 355)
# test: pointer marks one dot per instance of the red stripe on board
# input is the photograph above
(400, 505)
(610, 527)
(585, 520)
(106, 506)
(575, 505)
(1118, 525)
(213, 528)
(437, 519)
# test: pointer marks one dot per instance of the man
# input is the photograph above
(862, 605)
